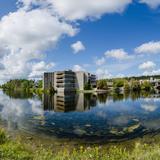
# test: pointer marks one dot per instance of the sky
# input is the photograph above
(108, 38)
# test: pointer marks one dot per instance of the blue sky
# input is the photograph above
(111, 39)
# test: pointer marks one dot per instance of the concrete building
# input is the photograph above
(65, 81)
(84, 77)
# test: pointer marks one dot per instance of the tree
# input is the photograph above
(40, 83)
(102, 84)
(126, 86)
(147, 86)
(135, 86)
(118, 83)
(88, 86)
(18, 84)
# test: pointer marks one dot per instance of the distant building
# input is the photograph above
(155, 82)
(83, 78)
(64, 81)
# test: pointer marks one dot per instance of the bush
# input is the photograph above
(14, 151)
(118, 83)
(126, 86)
(88, 86)
(135, 86)
(3, 137)
(147, 86)
(102, 84)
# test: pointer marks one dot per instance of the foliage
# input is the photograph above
(39, 84)
(147, 86)
(14, 150)
(102, 84)
(135, 86)
(18, 84)
(126, 86)
(118, 83)
(88, 86)
(3, 137)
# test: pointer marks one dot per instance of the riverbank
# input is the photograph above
(145, 148)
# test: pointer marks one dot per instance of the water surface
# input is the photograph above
(88, 117)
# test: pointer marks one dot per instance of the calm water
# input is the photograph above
(87, 117)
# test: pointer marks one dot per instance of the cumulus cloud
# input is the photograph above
(103, 73)
(77, 47)
(100, 61)
(37, 25)
(119, 54)
(151, 3)
(150, 48)
(25, 36)
(77, 68)
(147, 65)
(42, 30)
(80, 9)
(39, 68)
(153, 72)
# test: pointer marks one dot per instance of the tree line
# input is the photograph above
(127, 85)
(21, 84)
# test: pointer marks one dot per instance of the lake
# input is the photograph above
(90, 118)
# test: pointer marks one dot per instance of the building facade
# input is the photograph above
(64, 81)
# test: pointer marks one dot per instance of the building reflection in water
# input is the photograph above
(64, 102)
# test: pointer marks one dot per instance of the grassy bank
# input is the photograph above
(139, 150)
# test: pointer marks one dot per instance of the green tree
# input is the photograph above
(126, 86)
(118, 83)
(40, 84)
(88, 86)
(18, 84)
(102, 84)
(147, 86)
(135, 86)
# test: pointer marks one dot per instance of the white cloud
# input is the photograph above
(77, 47)
(103, 73)
(120, 75)
(77, 68)
(39, 68)
(119, 54)
(79, 9)
(37, 25)
(151, 3)
(100, 61)
(24, 36)
(147, 65)
(41, 31)
(150, 48)
(153, 72)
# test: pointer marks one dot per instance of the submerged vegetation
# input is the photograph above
(137, 150)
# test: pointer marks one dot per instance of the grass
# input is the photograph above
(15, 150)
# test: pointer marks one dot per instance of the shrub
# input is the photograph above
(3, 137)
